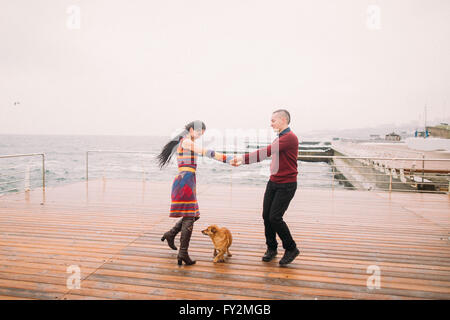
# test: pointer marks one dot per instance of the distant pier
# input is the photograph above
(376, 166)
(389, 166)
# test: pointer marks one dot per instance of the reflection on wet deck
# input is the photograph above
(111, 231)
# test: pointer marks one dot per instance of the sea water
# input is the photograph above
(65, 162)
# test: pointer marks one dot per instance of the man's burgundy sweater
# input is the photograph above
(284, 152)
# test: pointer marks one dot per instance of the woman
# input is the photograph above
(184, 201)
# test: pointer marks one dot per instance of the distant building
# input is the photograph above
(421, 134)
(393, 137)
(441, 131)
(375, 137)
(405, 134)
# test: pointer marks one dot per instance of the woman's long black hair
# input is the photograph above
(170, 147)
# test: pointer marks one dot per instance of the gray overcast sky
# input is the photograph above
(147, 67)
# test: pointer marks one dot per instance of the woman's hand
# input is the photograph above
(237, 161)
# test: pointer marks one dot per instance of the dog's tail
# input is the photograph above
(230, 238)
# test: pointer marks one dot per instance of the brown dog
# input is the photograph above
(221, 238)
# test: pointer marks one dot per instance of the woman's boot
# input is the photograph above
(171, 234)
(186, 232)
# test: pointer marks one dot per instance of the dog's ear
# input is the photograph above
(213, 229)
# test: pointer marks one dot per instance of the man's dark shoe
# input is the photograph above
(289, 256)
(269, 255)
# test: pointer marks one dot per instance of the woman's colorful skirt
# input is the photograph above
(184, 199)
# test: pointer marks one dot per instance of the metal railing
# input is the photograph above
(363, 173)
(26, 178)
(386, 174)
(111, 151)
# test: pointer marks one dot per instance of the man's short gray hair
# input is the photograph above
(285, 114)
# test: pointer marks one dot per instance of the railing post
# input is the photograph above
(231, 187)
(27, 179)
(43, 170)
(332, 181)
(423, 166)
(390, 180)
(143, 166)
(87, 165)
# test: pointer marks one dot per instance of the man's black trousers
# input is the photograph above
(276, 201)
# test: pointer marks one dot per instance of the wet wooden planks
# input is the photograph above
(111, 230)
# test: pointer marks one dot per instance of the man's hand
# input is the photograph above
(237, 161)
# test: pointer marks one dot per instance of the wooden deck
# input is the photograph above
(111, 230)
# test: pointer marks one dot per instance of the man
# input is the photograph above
(281, 186)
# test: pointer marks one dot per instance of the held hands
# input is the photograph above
(236, 161)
